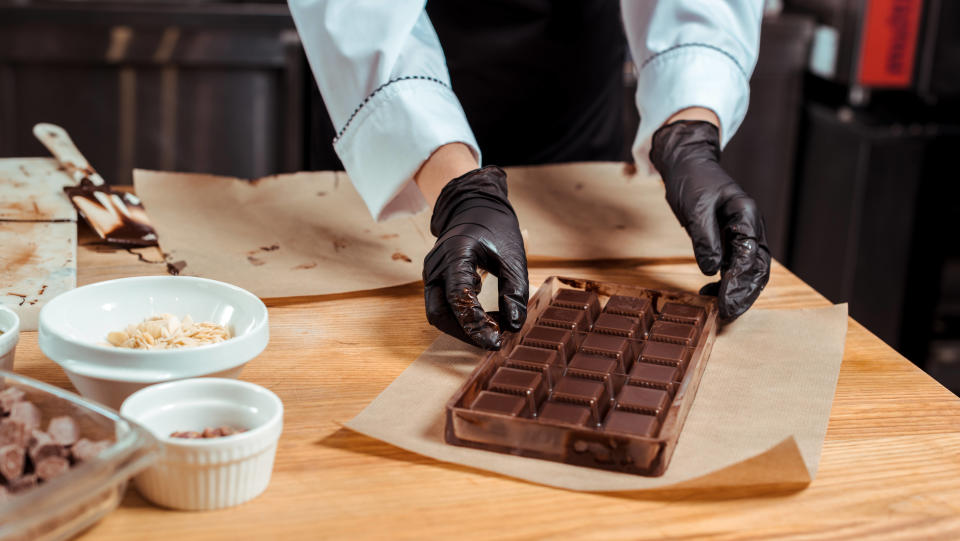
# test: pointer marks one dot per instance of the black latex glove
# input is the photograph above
(723, 222)
(475, 227)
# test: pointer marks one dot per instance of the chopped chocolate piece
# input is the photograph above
(617, 325)
(633, 424)
(664, 353)
(564, 318)
(565, 414)
(22, 483)
(592, 394)
(551, 338)
(8, 397)
(682, 313)
(51, 467)
(529, 385)
(12, 460)
(578, 300)
(26, 414)
(507, 404)
(13, 432)
(638, 307)
(658, 376)
(43, 445)
(64, 430)
(85, 449)
(676, 333)
(608, 345)
(643, 400)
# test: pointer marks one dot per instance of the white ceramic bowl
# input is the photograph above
(10, 326)
(73, 329)
(202, 474)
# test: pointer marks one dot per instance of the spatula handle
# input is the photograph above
(59, 144)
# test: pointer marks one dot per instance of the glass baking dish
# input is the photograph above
(72, 502)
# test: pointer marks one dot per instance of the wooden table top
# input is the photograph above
(890, 465)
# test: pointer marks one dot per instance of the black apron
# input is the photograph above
(541, 81)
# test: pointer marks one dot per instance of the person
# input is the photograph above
(536, 81)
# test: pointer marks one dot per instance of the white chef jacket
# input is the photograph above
(384, 80)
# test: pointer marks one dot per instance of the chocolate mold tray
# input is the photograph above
(601, 375)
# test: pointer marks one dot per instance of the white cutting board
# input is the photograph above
(38, 236)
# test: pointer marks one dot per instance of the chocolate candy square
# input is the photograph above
(617, 325)
(658, 376)
(506, 404)
(682, 313)
(564, 318)
(664, 353)
(597, 368)
(565, 414)
(585, 392)
(608, 345)
(631, 424)
(529, 385)
(643, 400)
(638, 307)
(560, 340)
(676, 333)
(578, 300)
(544, 361)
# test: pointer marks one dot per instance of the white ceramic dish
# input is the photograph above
(202, 474)
(73, 328)
(10, 327)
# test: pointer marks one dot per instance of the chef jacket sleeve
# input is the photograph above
(384, 80)
(692, 53)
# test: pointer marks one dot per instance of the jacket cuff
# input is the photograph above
(391, 134)
(690, 75)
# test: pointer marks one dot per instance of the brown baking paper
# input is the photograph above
(759, 417)
(311, 234)
(281, 236)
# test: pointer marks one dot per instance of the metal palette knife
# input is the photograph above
(117, 217)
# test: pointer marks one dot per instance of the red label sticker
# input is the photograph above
(889, 42)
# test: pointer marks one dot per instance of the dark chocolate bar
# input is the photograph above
(600, 379)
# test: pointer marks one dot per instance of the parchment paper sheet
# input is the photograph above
(311, 234)
(759, 418)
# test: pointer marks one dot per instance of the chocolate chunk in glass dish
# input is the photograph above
(606, 389)
(564, 318)
(634, 424)
(627, 327)
(676, 333)
(524, 383)
(560, 340)
(506, 404)
(564, 414)
(658, 376)
(578, 300)
(682, 313)
(664, 353)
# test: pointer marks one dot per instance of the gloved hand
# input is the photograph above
(475, 227)
(723, 222)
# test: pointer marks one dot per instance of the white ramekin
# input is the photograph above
(203, 474)
(10, 325)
